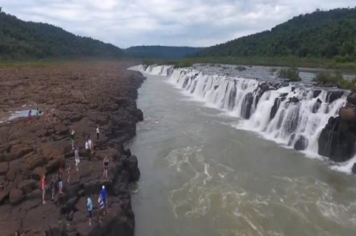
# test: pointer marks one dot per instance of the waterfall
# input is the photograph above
(291, 115)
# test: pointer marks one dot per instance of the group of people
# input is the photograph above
(47, 116)
(53, 185)
(58, 183)
(102, 203)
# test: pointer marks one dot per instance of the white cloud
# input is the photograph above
(165, 22)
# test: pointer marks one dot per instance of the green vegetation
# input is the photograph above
(176, 63)
(163, 52)
(262, 61)
(335, 79)
(319, 39)
(273, 70)
(22, 40)
(291, 74)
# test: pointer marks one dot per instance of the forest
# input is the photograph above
(163, 52)
(321, 34)
(22, 40)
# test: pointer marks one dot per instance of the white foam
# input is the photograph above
(230, 94)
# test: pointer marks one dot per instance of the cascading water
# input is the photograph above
(293, 116)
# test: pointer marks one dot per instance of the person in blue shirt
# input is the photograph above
(90, 209)
(104, 197)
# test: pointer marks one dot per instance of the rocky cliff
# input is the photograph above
(83, 95)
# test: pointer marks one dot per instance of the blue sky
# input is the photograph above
(127, 23)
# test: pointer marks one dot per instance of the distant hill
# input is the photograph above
(321, 34)
(29, 40)
(160, 52)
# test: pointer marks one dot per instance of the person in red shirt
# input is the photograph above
(43, 187)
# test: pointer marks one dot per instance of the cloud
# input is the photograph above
(165, 22)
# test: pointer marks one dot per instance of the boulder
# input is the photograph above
(38, 172)
(274, 108)
(337, 140)
(353, 170)
(12, 173)
(347, 113)
(4, 167)
(21, 150)
(301, 143)
(4, 194)
(334, 95)
(352, 98)
(60, 129)
(16, 196)
(36, 161)
(246, 106)
(27, 186)
(316, 105)
(139, 114)
(54, 165)
(293, 100)
(132, 166)
(316, 93)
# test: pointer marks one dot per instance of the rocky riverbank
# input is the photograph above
(83, 95)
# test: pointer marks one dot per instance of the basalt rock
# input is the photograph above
(81, 96)
(317, 105)
(352, 98)
(247, 106)
(337, 139)
(301, 143)
(353, 170)
(274, 108)
(16, 196)
(334, 95)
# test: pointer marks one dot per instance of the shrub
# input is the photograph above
(183, 63)
(240, 68)
(335, 79)
(291, 74)
(273, 70)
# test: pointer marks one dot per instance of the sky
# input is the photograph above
(197, 23)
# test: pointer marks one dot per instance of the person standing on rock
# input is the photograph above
(90, 209)
(29, 116)
(72, 138)
(104, 196)
(68, 173)
(43, 187)
(53, 188)
(54, 115)
(101, 208)
(106, 167)
(87, 149)
(97, 132)
(91, 145)
(60, 181)
(77, 158)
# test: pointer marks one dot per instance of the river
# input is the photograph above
(202, 176)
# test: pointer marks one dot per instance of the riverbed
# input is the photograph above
(202, 176)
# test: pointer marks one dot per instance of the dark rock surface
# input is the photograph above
(338, 137)
(301, 143)
(83, 95)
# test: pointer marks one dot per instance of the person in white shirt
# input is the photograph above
(87, 147)
(77, 158)
(97, 132)
(91, 145)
